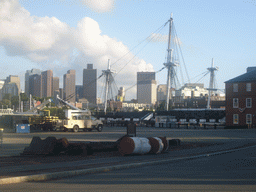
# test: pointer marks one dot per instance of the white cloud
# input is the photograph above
(52, 44)
(99, 5)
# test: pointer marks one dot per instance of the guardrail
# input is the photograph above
(187, 125)
(6, 111)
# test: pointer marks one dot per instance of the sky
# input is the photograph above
(69, 34)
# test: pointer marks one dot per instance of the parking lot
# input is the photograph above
(14, 143)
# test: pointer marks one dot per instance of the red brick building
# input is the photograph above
(241, 100)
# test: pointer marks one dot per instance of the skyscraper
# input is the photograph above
(55, 84)
(35, 85)
(146, 87)
(161, 93)
(69, 85)
(14, 79)
(79, 92)
(90, 84)
(47, 83)
(27, 75)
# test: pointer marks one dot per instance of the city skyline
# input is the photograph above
(64, 35)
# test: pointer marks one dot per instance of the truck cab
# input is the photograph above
(79, 119)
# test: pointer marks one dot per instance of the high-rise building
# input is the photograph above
(36, 85)
(146, 87)
(61, 94)
(69, 85)
(10, 88)
(55, 84)
(14, 79)
(47, 83)
(161, 93)
(79, 92)
(27, 75)
(90, 84)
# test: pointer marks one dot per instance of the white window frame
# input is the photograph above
(248, 102)
(235, 87)
(248, 119)
(248, 87)
(235, 103)
(235, 119)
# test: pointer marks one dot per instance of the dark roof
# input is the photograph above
(247, 77)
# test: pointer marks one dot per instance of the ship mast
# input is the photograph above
(108, 74)
(211, 84)
(169, 65)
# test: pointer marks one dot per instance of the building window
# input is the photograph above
(248, 86)
(249, 119)
(235, 118)
(235, 103)
(248, 102)
(235, 87)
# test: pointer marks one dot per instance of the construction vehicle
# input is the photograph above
(42, 120)
(76, 119)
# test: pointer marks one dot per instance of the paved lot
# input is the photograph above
(216, 140)
(14, 143)
(233, 171)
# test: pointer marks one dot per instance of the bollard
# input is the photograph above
(1, 136)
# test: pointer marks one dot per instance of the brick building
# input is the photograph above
(241, 100)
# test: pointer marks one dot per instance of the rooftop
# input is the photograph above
(246, 77)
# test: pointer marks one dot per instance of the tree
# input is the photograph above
(15, 101)
(5, 103)
(59, 112)
(23, 97)
(7, 96)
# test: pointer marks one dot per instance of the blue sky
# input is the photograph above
(67, 34)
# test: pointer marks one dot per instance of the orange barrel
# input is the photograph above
(166, 143)
(134, 145)
(157, 145)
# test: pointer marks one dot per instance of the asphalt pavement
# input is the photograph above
(232, 170)
(221, 142)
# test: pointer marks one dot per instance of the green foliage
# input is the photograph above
(15, 101)
(59, 112)
(4, 103)
(23, 97)
(7, 96)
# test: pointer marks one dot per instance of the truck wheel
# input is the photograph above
(75, 128)
(99, 128)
